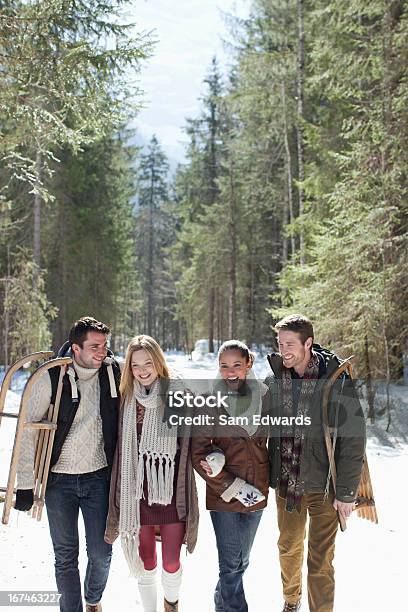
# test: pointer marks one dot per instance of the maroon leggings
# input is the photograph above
(172, 537)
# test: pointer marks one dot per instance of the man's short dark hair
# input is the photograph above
(296, 323)
(79, 330)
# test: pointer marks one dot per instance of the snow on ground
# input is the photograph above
(369, 561)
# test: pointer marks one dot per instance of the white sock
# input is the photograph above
(171, 584)
(148, 590)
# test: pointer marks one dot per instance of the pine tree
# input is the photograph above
(90, 262)
(63, 85)
(197, 191)
(26, 320)
(152, 234)
(60, 84)
(355, 283)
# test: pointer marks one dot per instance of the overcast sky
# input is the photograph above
(189, 33)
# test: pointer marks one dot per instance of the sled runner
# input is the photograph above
(365, 504)
(46, 430)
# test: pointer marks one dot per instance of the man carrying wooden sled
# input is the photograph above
(81, 460)
(316, 457)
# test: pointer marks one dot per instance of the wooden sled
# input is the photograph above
(46, 431)
(365, 504)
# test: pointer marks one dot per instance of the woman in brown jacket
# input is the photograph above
(152, 484)
(230, 453)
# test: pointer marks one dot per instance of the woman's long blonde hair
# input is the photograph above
(150, 345)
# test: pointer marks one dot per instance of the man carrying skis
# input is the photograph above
(299, 460)
(81, 460)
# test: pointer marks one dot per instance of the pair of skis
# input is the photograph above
(46, 430)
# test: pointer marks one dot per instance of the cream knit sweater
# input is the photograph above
(83, 449)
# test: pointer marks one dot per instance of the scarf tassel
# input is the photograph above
(140, 477)
(159, 478)
(130, 547)
(168, 478)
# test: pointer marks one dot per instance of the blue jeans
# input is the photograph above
(65, 495)
(235, 534)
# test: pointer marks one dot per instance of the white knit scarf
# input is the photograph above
(157, 443)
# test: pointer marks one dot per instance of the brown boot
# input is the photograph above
(93, 607)
(170, 607)
(291, 607)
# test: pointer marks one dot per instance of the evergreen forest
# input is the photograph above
(292, 198)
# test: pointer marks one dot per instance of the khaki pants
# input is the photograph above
(322, 534)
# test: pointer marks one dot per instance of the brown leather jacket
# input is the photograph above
(245, 457)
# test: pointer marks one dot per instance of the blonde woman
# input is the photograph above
(152, 486)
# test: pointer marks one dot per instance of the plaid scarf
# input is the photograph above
(292, 440)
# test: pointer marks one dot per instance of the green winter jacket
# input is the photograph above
(350, 444)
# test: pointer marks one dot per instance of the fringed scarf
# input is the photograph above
(153, 457)
(290, 487)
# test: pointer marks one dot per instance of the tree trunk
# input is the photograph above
(6, 313)
(369, 382)
(224, 306)
(150, 262)
(387, 380)
(176, 333)
(285, 221)
(300, 95)
(250, 334)
(211, 305)
(213, 172)
(37, 211)
(163, 330)
(213, 158)
(288, 215)
(233, 258)
(218, 312)
(63, 280)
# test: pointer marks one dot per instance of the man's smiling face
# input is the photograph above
(294, 353)
(93, 351)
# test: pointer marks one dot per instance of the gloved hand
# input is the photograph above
(216, 461)
(249, 495)
(24, 499)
